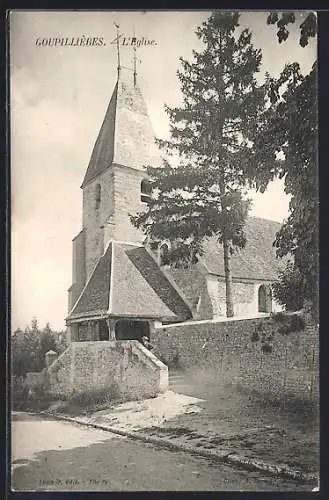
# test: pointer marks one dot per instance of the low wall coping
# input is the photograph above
(212, 321)
(148, 355)
(137, 347)
(58, 361)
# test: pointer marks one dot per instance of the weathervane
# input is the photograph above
(134, 61)
(133, 44)
(118, 47)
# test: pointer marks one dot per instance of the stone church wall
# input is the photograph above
(95, 215)
(230, 352)
(127, 196)
(208, 292)
(120, 196)
(245, 297)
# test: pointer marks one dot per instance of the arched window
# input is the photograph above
(146, 190)
(265, 299)
(164, 255)
(97, 196)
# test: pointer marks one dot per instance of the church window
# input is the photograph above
(164, 259)
(146, 190)
(98, 196)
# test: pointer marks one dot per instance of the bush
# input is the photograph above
(25, 397)
(264, 336)
(91, 398)
(288, 290)
(19, 393)
(255, 336)
(261, 334)
(278, 317)
(289, 323)
(267, 348)
(58, 406)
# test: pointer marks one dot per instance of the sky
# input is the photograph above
(59, 96)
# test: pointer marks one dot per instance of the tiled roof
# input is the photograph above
(131, 294)
(95, 295)
(256, 261)
(103, 152)
(126, 136)
(127, 282)
(160, 283)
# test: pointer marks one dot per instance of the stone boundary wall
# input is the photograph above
(59, 374)
(124, 369)
(289, 368)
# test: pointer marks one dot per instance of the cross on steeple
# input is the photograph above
(133, 44)
(134, 61)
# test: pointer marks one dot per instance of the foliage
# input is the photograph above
(308, 27)
(278, 316)
(267, 348)
(59, 406)
(286, 323)
(289, 127)
(19, 393)
(213, 135)
(92, 398)
(289, 323)
(265, 337)
(39, 397)
(25, 397)
(255, 336)
(288, 289)
(28, 348)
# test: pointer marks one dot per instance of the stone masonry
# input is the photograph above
(236, 349)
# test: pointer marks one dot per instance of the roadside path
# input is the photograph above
(50, 455)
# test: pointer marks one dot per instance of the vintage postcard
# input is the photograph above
(165, 250)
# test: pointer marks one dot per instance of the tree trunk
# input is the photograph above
(227, 258)
(226, 244)
(228, 279)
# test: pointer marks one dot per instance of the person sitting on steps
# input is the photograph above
(146, 343)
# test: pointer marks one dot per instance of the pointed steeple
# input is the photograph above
(126, 136)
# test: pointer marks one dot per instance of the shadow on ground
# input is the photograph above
(22, 416)
(123, 465)
(252, 424)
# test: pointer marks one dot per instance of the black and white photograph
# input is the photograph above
(164, 251)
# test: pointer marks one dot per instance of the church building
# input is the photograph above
(120, 288)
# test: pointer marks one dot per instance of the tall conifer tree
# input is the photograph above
(212, 133)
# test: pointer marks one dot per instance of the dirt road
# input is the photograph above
(50, 455)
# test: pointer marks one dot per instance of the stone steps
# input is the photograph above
(178, 382)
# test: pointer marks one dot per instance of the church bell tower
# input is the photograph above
(114, 183)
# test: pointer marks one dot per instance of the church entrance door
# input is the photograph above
(264, 299)
(103, 330)
(131, 330)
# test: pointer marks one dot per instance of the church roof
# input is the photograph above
(257, 261)
(127, 282)
(126, 136)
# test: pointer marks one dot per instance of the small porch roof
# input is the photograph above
(128, 283)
